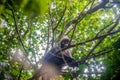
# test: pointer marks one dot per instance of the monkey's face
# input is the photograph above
(64, 43)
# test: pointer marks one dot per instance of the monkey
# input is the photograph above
(54, 56)
(54, 61)
(64, 43)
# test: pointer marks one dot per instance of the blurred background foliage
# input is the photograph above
(29, 28)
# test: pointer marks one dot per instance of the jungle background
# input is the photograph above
(30, 28)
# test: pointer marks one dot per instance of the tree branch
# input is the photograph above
(101, 5)
(93, 56)
(104, 28)
(77, 21)
(19, 38)
(20, 74)
(63, 13)
(91, 10)
(59, 21)
(77, 18)
(16, 28)
(84, 42)
(48, 40)
(100, 53)
(92, 39)
(28, 28)
(101, 39)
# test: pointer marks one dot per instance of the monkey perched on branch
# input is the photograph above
(54, 60)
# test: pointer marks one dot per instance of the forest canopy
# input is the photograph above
(30, 28)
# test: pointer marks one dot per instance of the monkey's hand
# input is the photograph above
(76, 63)
(71, 61)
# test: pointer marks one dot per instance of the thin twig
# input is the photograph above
(94, 56)
(91, 10)
(84, 42)
(16, 28)
(116, 23)
(59, 21)
(28, 28)
(77, 18)
(20, 74)
(19, 38)
(92, 39)
(99, 53)
(92, 4)
(80, 19)
(53, 38)
(104, 28)
(63, 13)
(48, 41)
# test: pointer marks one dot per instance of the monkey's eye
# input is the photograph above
(65, 42)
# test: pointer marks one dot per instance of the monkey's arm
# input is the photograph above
(57, 58)
(71, 61)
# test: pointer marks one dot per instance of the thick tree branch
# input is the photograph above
(92, 39)
(101, 5)
(77, 18)
(84, 42)
(91, 10)
(101, 36)
(66, 26)
(95, 38)
(101, 39)
(115, 2)
(116, 23)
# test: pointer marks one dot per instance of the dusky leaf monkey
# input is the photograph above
(54, 60)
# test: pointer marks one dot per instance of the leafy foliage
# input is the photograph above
(30, 28)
